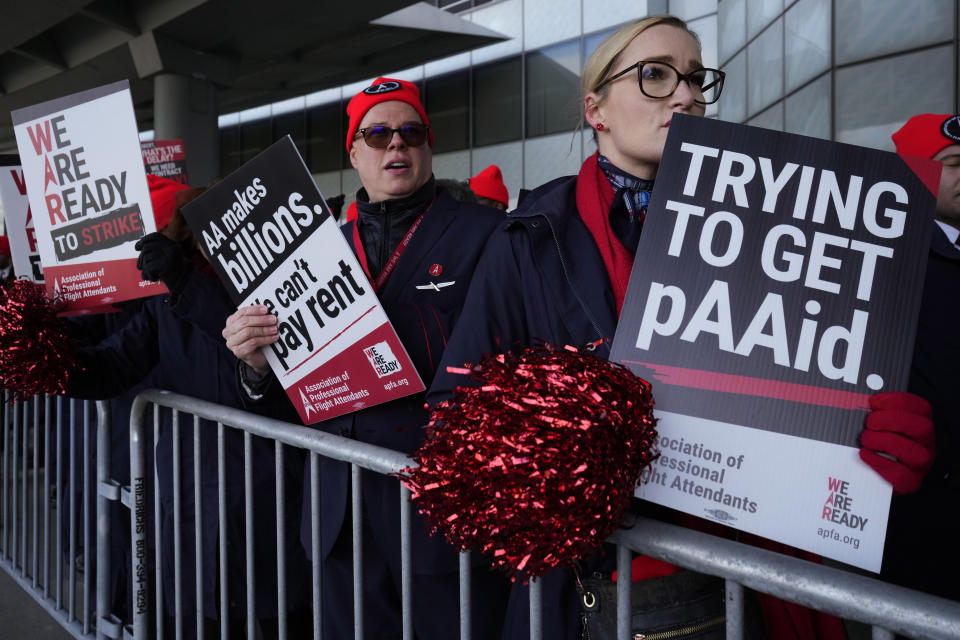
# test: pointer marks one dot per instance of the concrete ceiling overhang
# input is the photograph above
(254, 52)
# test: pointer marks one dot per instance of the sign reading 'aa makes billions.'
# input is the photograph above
(273, 241)
(776, 287)
(88, 194)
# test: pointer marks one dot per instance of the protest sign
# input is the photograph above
(272, 240)
(88, 194)
(775, 288)
(19, 220)
(165, 159)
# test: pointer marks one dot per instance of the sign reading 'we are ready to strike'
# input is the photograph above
(775, 289)
(88, 195)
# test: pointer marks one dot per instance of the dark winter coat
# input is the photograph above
(180, 342)
(449, 241)
(541, 279)
(921, 549)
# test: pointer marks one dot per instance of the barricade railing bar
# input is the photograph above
(33, 552)
(47, 504)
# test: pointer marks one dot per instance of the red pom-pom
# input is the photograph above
(537, 464)
(36, 354)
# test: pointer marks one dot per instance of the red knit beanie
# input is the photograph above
(163, 193)
(927, 134)
(384, 90)
(489, 184)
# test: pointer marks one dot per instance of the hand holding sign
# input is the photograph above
(898, 441)
(249, 329)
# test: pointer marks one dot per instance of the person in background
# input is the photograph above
(490, 189)
(557, 272)
(175, 340)
(922, 549)
(459, 190)
(408, 234)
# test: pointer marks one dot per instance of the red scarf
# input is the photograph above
(594, 200)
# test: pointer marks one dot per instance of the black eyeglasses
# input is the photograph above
(659, 80)
(379, 136)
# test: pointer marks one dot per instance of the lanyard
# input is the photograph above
(394, 258)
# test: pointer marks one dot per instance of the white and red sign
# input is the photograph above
(19, 220)
(165, 159)
(273, 241)
(775, 289)
(88, 195)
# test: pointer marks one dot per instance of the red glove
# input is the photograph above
(899, 426)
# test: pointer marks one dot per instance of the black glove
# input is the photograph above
(162, 259)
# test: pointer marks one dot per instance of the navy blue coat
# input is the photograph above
(541, 279)
(182, 344)
(922, 550)
(452, 235)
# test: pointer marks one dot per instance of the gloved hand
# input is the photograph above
(162, 259)
(898, 442)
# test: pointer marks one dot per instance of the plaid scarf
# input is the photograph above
(634, 191)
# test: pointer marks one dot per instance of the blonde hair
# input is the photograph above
(606, 56)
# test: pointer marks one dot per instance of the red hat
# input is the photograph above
(489, 184)
(163, 193)
(5, 246)
(384, 90)
(927, 134)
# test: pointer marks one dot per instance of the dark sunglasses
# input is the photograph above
(379, 136)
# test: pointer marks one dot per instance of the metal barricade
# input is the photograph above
(47, 494)
(41, 555)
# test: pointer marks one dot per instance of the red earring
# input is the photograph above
(599, 126)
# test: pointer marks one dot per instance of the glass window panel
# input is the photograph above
(553, 89)
(807, 111)
(772, 118)
(507, 157)
(255, 136)
(706, 30)
(547, 22)
(602, 14)
(760, 13)
(505, 18)
(690, 9)
(806, 41)
(550, 157)
(732, 105)
(592, 41)
(869, 106)
(732, 21)
(872, 27)
(765, 62)
(293, 124)
(230, 154)
(453, 166)
(496, 102)
(325, 137)
(447, 101)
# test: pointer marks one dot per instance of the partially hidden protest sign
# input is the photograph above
(88, 194)
(775, 288)
(19, 220)
(273, 241)
(165, 159)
